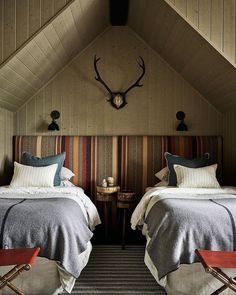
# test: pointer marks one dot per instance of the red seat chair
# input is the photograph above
(22, 258)
(212, 261)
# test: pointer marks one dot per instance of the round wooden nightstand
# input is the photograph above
(105, 195)
(125, 200)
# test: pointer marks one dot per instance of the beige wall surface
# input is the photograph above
(151, 109)
(215, 20)
(6, 133)
(20, 19)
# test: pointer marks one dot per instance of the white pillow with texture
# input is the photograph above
(28, 176)
(204, 177)
(66, 174)
(66, 183)
(163, 174)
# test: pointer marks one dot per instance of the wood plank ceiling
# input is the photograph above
(50, 50)
(185, 50)
(82, 20)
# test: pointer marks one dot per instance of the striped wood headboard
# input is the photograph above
(132, 160)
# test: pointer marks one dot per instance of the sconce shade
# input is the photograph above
(182, 126)
(180, 115)
(54, 126)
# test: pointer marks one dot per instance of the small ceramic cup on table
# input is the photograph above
(110, 181)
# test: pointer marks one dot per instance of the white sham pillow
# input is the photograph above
(204, 177)
(163, 174)
(66, 183)
(66, 174)
(28, 176)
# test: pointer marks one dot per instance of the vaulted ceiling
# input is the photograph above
(186, 51)
(75, 26)
(47, 52)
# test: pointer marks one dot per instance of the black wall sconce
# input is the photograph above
(180, 115)
(54, 126)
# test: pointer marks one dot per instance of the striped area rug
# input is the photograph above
(114, 271)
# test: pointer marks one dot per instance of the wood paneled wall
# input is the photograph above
(229, 124)
(6, 133)
(215, 20)
(82, 101)
(20, 19)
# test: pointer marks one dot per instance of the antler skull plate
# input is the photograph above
(118, 99)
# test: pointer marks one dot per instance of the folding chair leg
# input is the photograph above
(14, 288)
(223, 277)
(8, 277)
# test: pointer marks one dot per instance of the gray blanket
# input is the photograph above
(57, 226)
(179, 226)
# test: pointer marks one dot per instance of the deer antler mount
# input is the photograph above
(118, 99)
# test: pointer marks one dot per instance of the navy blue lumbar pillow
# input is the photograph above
(31, 160)
(171, 160)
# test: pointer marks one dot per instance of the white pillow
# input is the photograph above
(66, 173)
(66, 183)
(25, 176)
(204, 177)
(163, 174)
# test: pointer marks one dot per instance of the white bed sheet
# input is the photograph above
(46, 277)
(188, 279)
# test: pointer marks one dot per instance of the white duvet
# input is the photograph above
(75, 193)
(156, 194)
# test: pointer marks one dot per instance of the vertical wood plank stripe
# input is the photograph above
(114, 157)
(18, 152)
(75, 160)
(67, 150)
(123, 162)
(20, 148)
(198, 146)
(92, 156)
(181, 146)
(124, 152)
(39, 146)
(85, 162)
(190, 146)
(126, 161)
(56, 144)
(164, 148)
(94, 165)
(145, 160)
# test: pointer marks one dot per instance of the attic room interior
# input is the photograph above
(117, 147)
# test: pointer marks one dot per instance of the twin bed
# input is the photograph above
(170, 241)
(175, 222)
(60, 221)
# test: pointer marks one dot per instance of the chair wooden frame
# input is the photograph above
(22, 258)
(213, 260)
